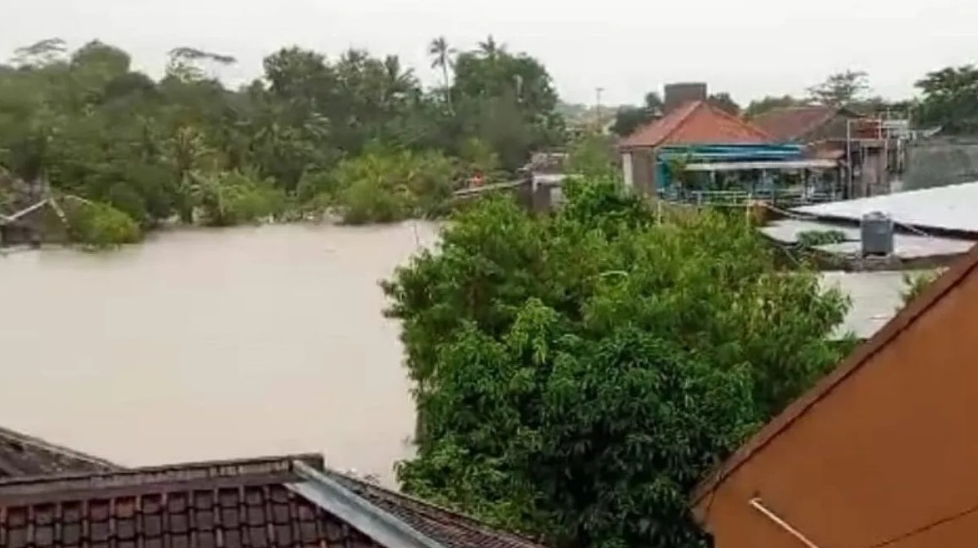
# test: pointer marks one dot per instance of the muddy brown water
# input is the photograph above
(212, 344)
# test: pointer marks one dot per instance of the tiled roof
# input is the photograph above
(793, 123)
(22, 455)
(270, 503)
(697, 122)
(452, 529)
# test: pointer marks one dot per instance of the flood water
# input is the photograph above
(212, 344)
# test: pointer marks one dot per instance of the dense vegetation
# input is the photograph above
(576, 375)
(356, 134)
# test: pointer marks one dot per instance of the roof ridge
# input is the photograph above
(431, 509)
(39, 443)
(690, 108)
(129, 477)
(852, 363)
(744, 123)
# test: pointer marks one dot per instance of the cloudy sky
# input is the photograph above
(748, 47)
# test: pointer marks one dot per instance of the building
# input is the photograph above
(80, 500)
(874, 146)
(880, 452)
(693, 123)
(23, 455)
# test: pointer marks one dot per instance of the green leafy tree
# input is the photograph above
(575, 375)
(949, 99)
(841, 89)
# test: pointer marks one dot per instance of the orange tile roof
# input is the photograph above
(794, 123)
(697, 122)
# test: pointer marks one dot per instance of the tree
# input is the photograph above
(949, 99)
(841, 89)
(769, 103)
(576, 375)
(187, 147)
(629, 119)
(725, 102)
(441, 57)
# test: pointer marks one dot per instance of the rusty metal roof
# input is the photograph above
(697, 122)
(266, 502)
(23, 455)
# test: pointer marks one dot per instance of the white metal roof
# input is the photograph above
(905, 246)
(953, 207)
(772, 164)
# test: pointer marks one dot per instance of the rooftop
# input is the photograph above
(905, 246)
(941, 288)
(876, 298)
(696, 122)
(264, 502)
(952, 208)
(793, 123)
(23, 455)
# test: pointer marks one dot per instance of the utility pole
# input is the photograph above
(597, 104)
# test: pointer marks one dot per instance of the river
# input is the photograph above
(212, 344)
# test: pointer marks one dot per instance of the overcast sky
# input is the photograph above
(749, 48)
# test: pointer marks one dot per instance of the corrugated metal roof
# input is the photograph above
(905, 246)
(875, 299)
(953, 207)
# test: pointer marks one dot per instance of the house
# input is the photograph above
(23, 455)
(693, 123)
(264, 502)
(880, 453)
(875, 147)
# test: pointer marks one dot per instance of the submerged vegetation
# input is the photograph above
(356, 136)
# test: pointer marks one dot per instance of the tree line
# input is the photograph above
(948, 98)
(356, 134)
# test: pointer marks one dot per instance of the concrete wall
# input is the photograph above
(941, 162)
(888, 451)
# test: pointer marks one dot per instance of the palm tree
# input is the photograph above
(441, 56)
(490, 48)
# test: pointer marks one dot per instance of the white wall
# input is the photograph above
(626, 162)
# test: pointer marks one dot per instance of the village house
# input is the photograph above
(286, 501)
(880, 453)
(718, 152)
(874, 146)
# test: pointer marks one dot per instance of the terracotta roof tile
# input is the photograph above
(697, 122)
(230, 504)
(793, 123)
(23, 455)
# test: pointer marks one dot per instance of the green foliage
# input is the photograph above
(593, 155)
(101, 226)
(575, 375)
(385, 186)
(950, 99)
(914, 283)
(186, 147)
(812, 238)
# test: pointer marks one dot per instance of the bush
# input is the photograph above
(385, 186)
(100, 226)
(575, 375)
(233, 198)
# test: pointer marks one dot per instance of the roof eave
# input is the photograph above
(906, 317)
(381, 526)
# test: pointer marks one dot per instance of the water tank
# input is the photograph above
(681, 93)
(876, 234)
